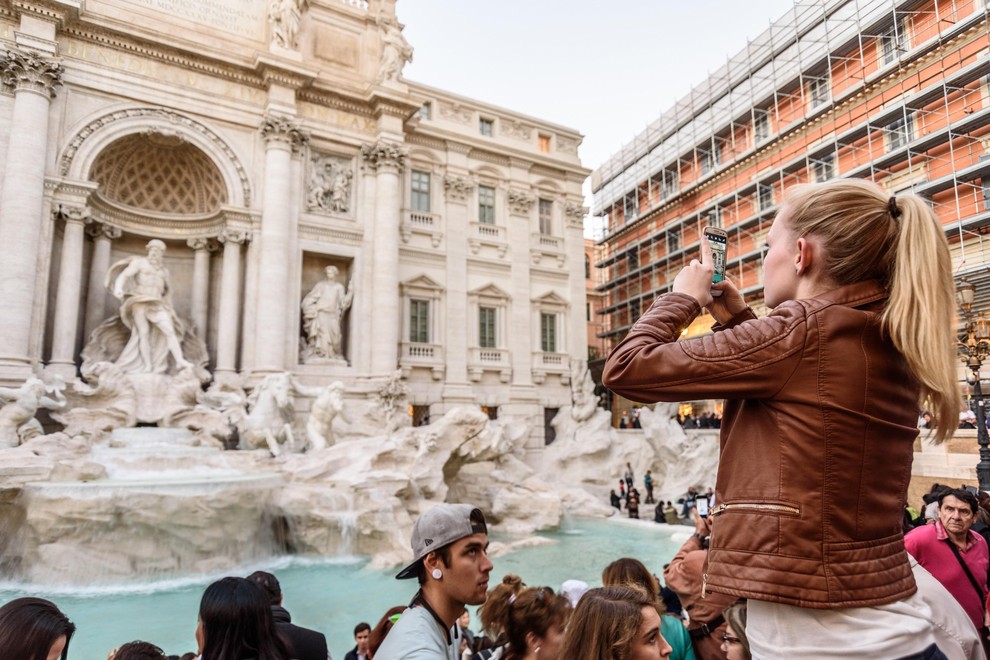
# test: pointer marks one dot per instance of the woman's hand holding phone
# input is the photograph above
(730, 303)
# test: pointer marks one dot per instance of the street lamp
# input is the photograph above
(972, 351)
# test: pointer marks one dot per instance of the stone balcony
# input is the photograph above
(544, 248)
(418, 224)
(422, 356)
(551, 363)
(483, 234)
(481, 360)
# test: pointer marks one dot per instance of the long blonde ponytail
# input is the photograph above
(900, 243)
(921, 311)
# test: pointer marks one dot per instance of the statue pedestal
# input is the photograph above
(150, 391)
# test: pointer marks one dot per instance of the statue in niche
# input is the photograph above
(329, 185)
(396, 51)
(323, 311)
(142, 286)
(285, 17)
(17, 422)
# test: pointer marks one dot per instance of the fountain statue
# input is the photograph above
(323, 310)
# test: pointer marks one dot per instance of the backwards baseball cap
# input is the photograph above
(439, 526)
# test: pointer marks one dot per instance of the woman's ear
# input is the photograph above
(532, 641)
(805, 255)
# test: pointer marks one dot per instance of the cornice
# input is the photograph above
(274, 70)
(58, 12)
(333, 100)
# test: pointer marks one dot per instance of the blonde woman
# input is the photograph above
(615, 623)
(822, 397)
(735, 644)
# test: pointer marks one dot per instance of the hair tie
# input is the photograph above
(895, 212)
(512, 599)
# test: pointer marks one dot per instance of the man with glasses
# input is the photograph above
(450, 560)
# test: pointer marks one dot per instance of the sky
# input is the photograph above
(605, 67)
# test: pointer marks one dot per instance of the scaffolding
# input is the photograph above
(894, 91)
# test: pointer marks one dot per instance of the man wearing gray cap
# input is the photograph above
(450, 550)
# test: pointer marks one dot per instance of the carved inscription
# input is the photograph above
(242, 17)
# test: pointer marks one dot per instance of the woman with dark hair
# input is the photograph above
(615, 623)
(34, 629)
(821, 406)
(533, 623)
(629, 572)
(380, 631)
(235, 623)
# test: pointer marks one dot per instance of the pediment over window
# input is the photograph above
(488, 291)
(551, 299)
(423, 285)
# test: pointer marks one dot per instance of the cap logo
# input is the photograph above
(428, 541)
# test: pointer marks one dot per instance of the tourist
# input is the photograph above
(362, 641)
(137, 651)
(632, 503)
(629, 477)
(572, 590)
(34, 629)
(380, 631)
(494, 612)
(821, 401)
(464, 626)
(615, 623)
(648, 484)
(628, 572)
(235, 621)
(735, 645)
(953, 553)
(534, 625)
(685, 575)
(450, 560)
(303, 643)
(614, 499)
(670, 514)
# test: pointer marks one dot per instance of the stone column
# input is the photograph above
(457, 192)
(282, 137)
(63, 360)
(33, 80)
(228, 321)
(201, 283)
(96, 295)
(388, 159)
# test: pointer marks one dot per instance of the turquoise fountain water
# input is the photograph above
(332, 595)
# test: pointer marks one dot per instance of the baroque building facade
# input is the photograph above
(893, 91)
(263, 143)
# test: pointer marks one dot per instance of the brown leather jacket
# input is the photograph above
(816, 445)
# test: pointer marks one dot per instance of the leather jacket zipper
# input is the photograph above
(759, 506)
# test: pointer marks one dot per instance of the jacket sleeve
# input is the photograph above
(751, 359)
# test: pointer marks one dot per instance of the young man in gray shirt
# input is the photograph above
(450, 549)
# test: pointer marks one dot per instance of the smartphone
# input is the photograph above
(717, 239)
(702, 505)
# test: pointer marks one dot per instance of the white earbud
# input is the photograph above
(436, 574)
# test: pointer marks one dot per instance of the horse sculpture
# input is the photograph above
(269, 415)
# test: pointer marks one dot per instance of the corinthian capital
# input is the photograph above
(30, 71)
(384, 154)
(520, 202)
(231, 235)
(457, 188)
(285, 131)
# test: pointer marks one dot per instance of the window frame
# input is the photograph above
(416, 197)
(548, 331)
(486, 127)
(488, 337)
(486, 212)
(415, 321)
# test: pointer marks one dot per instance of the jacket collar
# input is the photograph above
(280, 614)
(860, 294)
(943, 535)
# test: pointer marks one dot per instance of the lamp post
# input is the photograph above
(972, 351)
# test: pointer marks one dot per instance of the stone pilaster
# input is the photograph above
(228, 322)
(69, 287)
(388, 159)
(96, 294)
(282, 137)
(33, 80)
(456, 389)
(201, 283)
